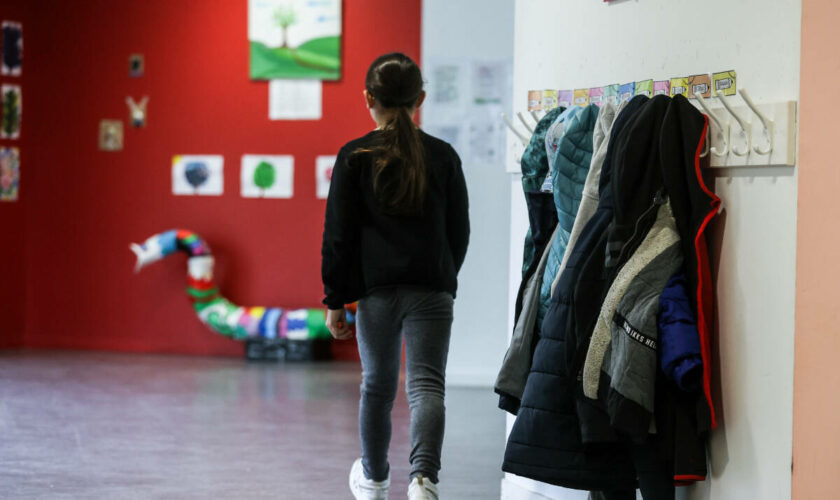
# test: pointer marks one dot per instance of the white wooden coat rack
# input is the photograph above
(745, 135)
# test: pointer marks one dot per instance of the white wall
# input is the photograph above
(586, 43)
(479, 335)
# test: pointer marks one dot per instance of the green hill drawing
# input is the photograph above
(319, 58)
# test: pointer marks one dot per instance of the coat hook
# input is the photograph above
(536, 116)
(724, 132)
(524, 140)
(769, 124)
(746, 127)
(528, 126)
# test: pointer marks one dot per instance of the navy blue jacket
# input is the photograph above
(679, 342)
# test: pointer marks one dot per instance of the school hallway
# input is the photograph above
(126, 426)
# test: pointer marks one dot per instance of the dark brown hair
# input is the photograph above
(399, 170)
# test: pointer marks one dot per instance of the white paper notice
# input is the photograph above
(465, 99)
(323, 176)
(267, 176)
(294, 99)
(197, 175)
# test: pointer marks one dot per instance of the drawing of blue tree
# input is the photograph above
(196, 173)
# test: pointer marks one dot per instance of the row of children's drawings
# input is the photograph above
(11, 57)
(723, 83)
(261, 176)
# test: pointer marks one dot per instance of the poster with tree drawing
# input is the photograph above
(297, 39)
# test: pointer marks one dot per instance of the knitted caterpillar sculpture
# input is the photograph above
(219, 313)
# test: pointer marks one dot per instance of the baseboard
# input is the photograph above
(520, 488)
(513, 491)
(476, 380)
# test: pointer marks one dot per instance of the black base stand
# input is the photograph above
(278, 350)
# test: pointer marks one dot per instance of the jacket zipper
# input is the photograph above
(658, 199)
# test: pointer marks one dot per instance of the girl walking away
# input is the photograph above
(395, 236)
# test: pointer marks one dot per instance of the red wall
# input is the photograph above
(84, 206)
(12, 215)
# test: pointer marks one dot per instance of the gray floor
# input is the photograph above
(114, 426)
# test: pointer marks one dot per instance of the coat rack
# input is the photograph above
(739, 135)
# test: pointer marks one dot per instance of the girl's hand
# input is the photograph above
(337, 324)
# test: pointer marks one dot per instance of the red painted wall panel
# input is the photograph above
(85, 206)
(12, 215)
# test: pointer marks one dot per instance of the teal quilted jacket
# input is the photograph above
(571, 164)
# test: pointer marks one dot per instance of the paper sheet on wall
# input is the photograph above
(486, 133)
(295, 99)
(267, 176)
(465, 99)
(9, 173)
(12, 111)
(198, 175)
(448, 90)
(486, 137)
(323, 175)
(12, 48)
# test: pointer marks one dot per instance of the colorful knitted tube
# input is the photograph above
(217, 312)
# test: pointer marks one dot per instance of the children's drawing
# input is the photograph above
(197, 175)
(267, 176)
(9, 174)
(12, 52)
(12, 111)
(295, 39)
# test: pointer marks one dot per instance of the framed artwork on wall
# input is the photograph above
(298, 39)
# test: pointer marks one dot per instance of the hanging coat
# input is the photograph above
(590, 195)
(622, 356)
(535, 159)
(681, 357)
(514, 372)
(681, 417)
(555, 133)
(510, 382)
(636, 193)
(571, 166)
(544, 443)
(694, 205)
(541, 214)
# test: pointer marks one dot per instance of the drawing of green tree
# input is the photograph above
(285, 16)
(11, 113)
(264, 175)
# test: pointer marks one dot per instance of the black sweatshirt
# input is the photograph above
(365, 249)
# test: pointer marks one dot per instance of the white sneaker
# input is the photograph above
(421, 488)
(367, 489)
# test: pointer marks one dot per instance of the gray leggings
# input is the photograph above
(424, 318)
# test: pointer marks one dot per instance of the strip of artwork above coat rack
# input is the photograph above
(741, 132)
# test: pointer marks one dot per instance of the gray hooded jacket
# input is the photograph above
(623, 347)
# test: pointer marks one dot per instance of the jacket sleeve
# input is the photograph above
(510, 383)
(681, 358)
(340, 247)
(458, 214)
